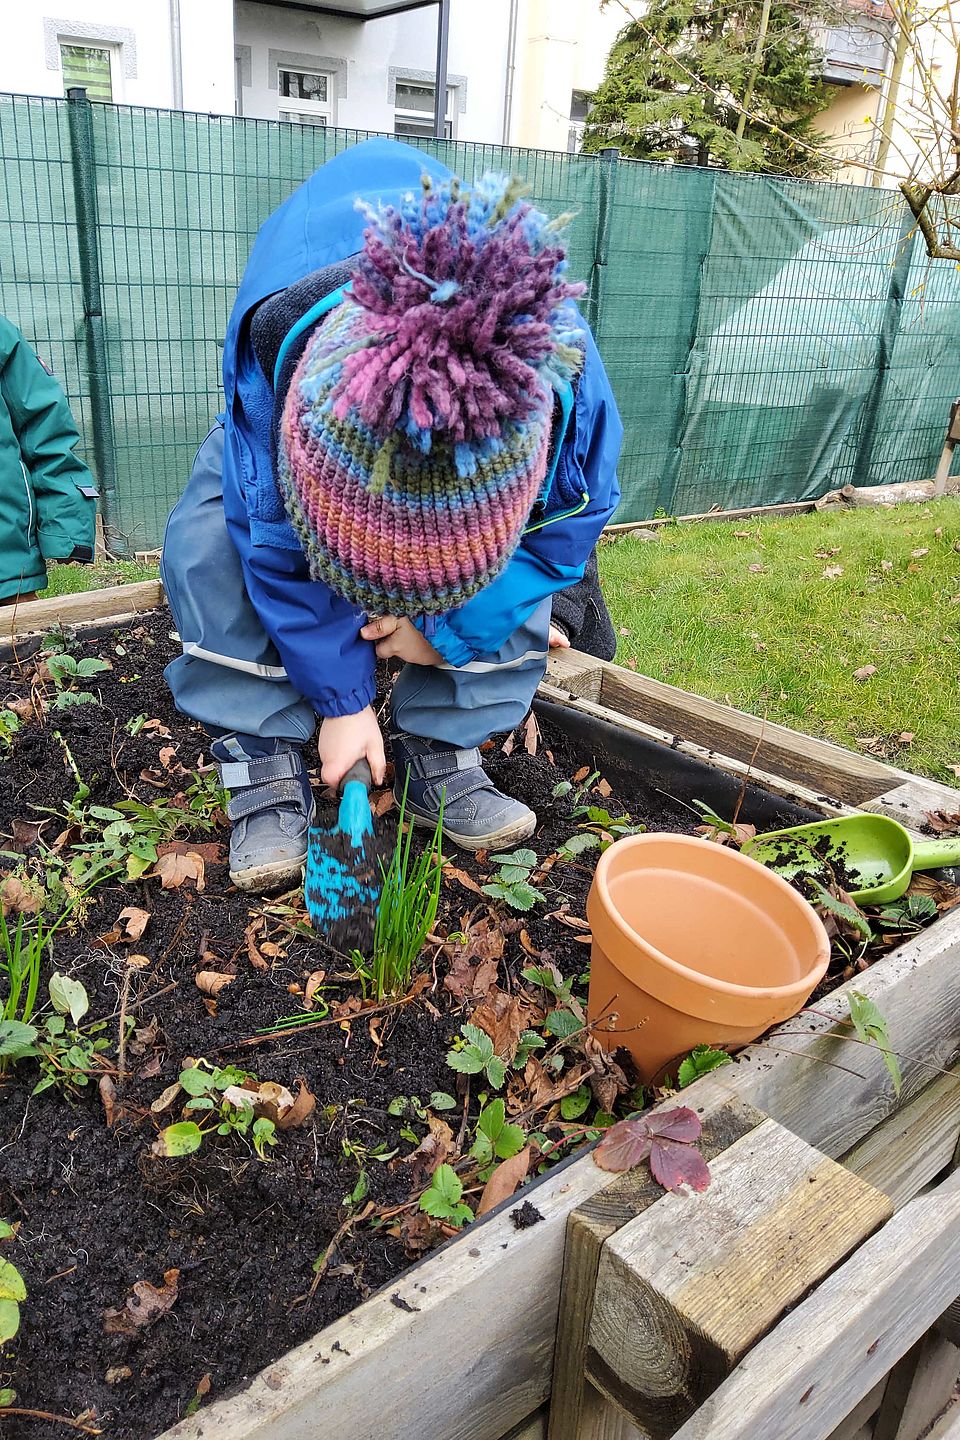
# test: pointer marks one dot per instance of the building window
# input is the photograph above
(305, 96)
(579, 106)
(415, 101)
(90, 66)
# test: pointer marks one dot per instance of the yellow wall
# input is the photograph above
(850, 122)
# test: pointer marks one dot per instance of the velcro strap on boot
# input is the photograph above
(452, 789)
(265, 797)
(432, 766)
(235, 774)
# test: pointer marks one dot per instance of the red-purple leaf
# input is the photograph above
(673, 1164)
(678, 1124)
(623, 1146)
(667, 1137)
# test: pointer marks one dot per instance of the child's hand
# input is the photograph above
(345, 739)
(558, 641)
(398, 636)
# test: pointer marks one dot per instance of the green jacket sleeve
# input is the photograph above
(63, 488)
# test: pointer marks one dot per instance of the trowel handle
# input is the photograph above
(361, 773)
(931, 854)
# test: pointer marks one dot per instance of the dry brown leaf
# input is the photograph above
(382, 803)
(505, 1181)
(420, 1233)
(108, 1098)
(304, 1104)
(886, 564)
(314, 982)
(132, 922)
(581, 775)
(255, 927)
(542, 1089)
(608, 1080)
(502, 1018)
(166, 1098)
(920, 552)
(474, 967)
(508, 744)
(211, 982)
(157, 728)
(756, 569)
(864, 672)
(21, 896)
(604, 788)
(143, 1306)
(21, 706)
(942, 822)
(25, 833)
(531, 734)
(432, 1151)
(211, 852)
(175, 870)
(450, 872)
(572, 922)
(833, 572)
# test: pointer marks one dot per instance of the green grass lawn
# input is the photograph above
(71, 579)
(744, 612)
(776, 616)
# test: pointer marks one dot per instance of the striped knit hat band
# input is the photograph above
(415, 432)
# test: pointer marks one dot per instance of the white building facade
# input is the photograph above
(517, 70)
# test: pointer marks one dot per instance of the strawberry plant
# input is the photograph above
(12, 1291)
(701, 1060)
(512, 882)
(442, 1198)
(473, 1054)
(65, 670)
(496, 1138)
(598, 829)
(871, 1027)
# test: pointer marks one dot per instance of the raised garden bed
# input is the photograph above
(462, 1344)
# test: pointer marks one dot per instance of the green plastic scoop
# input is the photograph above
(877, 855)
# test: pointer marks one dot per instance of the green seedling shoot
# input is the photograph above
(598, 828)
(65, 670)
(9, 725)
(443, 1198)
(229, 1115)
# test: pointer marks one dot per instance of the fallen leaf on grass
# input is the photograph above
(143, 1306)
(942, 822)
(756, 569)
(886, 564)
(955, 769)
(919, 554)
(864, 672)
(833, 572)
(827, 554)
(174, 870)
(505, 1181)
(667, 1138)
(211, 982)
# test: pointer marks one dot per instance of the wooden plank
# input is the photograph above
(114, 601)
(680, 1299)
(574, 673)
(948, 1427)
(920, 1386)
(791, 790)
(868, 1312)
(910, 802)
(533, 1428)
(860, 1420)
(790, 1075)
(471, 1360)
(588, 1229)
(852, 777)
(911, 1147)
(601, 1420)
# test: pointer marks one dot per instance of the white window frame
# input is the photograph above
(307, 112)
(84, 42)
(425, 117)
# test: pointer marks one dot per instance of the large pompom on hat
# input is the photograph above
(414, 436)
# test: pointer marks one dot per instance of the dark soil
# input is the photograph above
(97, 1212)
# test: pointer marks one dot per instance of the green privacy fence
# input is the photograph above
(766, 339)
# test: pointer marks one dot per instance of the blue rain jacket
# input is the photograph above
(315, 630)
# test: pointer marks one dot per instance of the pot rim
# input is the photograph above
(803, 985)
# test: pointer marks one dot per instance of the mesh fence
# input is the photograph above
(766, 339)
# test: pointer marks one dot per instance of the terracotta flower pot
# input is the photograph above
(695, 944)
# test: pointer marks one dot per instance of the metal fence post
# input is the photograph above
(80, 113)
(609, 158)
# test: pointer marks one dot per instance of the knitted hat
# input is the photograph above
(414, 436)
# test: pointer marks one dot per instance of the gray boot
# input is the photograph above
(271, 807)
(476, 816)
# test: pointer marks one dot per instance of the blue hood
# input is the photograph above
(319, 224)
